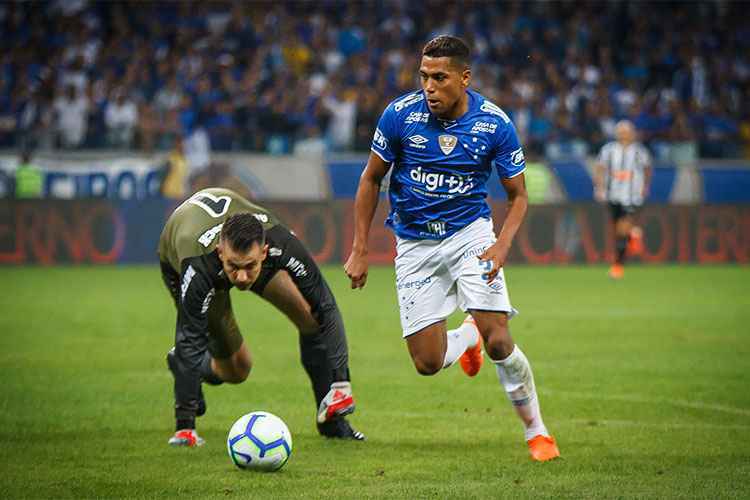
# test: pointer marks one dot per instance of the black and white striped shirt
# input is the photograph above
(624, 172)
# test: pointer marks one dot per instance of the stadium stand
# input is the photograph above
(275, 77)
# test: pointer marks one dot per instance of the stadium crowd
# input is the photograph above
(315, 75)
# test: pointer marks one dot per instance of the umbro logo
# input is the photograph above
(417, 141)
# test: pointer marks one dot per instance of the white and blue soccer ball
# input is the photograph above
(259, 441)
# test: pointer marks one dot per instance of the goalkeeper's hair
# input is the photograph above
(242, 230)
(448, 46)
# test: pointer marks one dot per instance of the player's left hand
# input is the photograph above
(496, 256)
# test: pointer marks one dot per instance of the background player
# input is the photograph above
(216, 240)
(441, 142)
(622, 177)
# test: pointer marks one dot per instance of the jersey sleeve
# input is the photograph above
(196, 292)
(385, 142)
(509, 159)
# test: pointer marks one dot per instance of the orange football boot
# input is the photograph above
(472, 358)
(543, 448)
(616, 272)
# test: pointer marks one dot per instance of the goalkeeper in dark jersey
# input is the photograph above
(216, 240)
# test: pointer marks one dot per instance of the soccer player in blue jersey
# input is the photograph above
(440, 143)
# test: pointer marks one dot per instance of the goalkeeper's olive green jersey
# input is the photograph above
(193, 228)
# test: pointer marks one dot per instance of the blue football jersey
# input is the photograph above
(440, 167)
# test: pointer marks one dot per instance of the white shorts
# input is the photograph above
(435, 276)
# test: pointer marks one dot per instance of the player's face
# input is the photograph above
(444, 84)
(625, 133)
(242, 268)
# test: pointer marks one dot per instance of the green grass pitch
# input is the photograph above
(644, 383)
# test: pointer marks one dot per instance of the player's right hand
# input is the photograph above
(356, 269)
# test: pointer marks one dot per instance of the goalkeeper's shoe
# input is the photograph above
(472, 358)
(339, 428)
(337, 403)
(174, 366)
(186, 437)
(543, 448)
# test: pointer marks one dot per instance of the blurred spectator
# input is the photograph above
(71, 112)
(28, 177)
(255, 74)
(120, 117)
(197, 148)
(342, 106)
(175, 183)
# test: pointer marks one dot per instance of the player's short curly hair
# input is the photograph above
(448, 46)
(242, 230)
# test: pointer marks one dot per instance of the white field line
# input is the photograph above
(697, 405)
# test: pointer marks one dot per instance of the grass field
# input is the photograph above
(644, 383)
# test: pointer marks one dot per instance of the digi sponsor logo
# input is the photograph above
(487, 127)
(493, 109)
(416, 284)
(408, 101)
(379, 140)
(516, 157)
(418, 141)
(433, 181)
(417, 117)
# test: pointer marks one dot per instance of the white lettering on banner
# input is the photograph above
(129, 176)
(408, 101)
(66, 176)
(207, 237)
(433, 180)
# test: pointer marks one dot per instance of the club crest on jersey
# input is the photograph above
(447, 143)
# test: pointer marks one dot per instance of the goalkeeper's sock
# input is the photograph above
(517, 379)
(458, 341)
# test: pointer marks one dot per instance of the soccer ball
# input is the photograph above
(260, 441)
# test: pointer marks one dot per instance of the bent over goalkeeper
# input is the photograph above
(217, 240)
